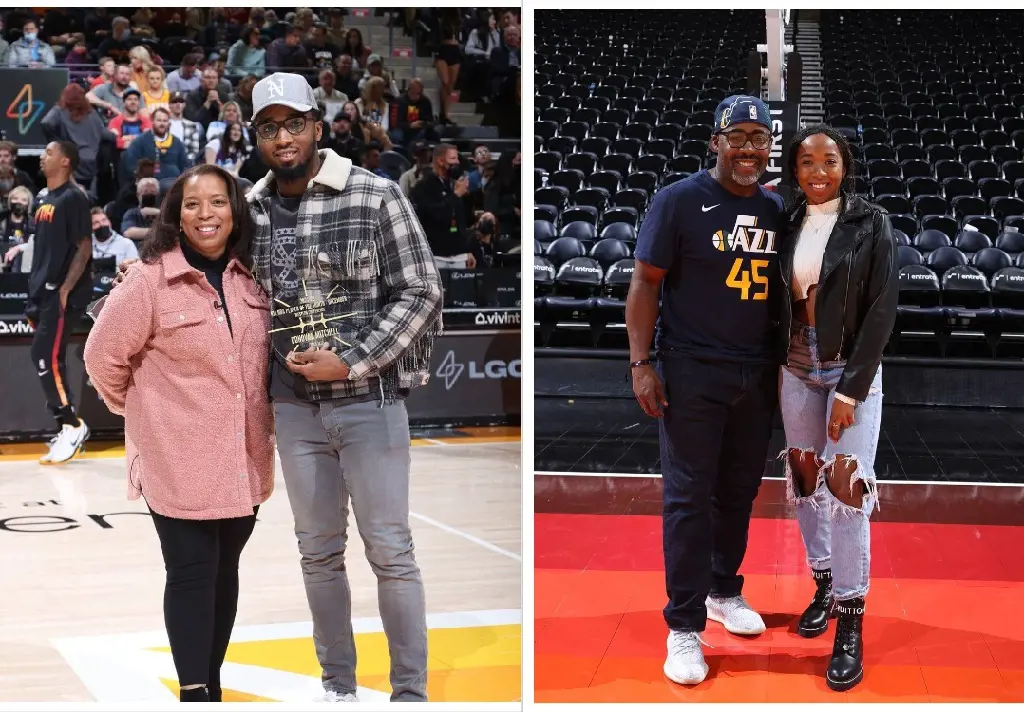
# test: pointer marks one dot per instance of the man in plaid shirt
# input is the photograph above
(333, 232)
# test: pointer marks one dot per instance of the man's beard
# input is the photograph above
(291, 173)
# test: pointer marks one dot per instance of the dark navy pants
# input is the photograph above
(714, 447)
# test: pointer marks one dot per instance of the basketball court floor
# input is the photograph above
(941, 622)
(83, 583)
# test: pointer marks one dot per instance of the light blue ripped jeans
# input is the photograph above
(835, 535)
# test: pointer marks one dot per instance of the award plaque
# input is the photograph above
(301, 322)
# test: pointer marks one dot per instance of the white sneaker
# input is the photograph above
(332, 696)
(736, 615)
(67, 444)
(685, 662)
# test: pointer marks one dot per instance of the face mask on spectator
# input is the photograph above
(102, 233)
(19, 210)
(148, 200)
(30, 36)
(486, 227)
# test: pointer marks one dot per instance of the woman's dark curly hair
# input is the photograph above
(166, 232)
(847, 187)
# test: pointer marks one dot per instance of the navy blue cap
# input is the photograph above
(738, 109)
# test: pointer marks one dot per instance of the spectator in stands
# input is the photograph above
(141, 61)
(98, 23)
(204, 104)
(506, 62)
(438, 198)
(355, 49)
(120, 42)
(345, 80)
(161, 145)
(188, 132)
(73, 119)
(186, 78)
(29, 51)
(375, 68)
(481, 157)
(371, 160)
(106, 243)
(476, 67)
(288, 52)
(231, 112)
(230, 149)
(142, 23)
(79, 62)
(10, 175)
(830, 459)
(137, 221)
(420, 151)
(486, 232)
(110, 97)
(16, 230)
(321, 52)
(127, 126)
(484, 39)
(127, 196)
(60, 29)
(415, 116)
(221, 33)
(154, 92)
(346, 139)
(247, 57)
(326, 94)
(336, 33)
(272, 29)
(243, 96)
(5, 47)
(373, 107)
(502, 194)
(447, 60)
(106, 76)
(305, 20)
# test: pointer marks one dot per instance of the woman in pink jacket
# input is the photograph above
(180, 349)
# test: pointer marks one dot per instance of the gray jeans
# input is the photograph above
(835, 535)
(331, 454)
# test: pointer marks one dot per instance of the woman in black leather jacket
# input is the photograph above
(838, 266)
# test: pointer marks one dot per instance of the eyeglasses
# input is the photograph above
(268, 130)
(738, 139)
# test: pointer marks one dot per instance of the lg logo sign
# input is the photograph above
(451, 370)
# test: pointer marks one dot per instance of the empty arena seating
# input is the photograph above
(624, 106)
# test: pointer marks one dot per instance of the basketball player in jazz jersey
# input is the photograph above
(707, 249)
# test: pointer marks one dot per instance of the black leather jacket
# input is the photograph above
(857, 293)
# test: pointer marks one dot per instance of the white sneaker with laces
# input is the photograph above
(45, 459)
(333, 696)
(736, 615)
(685, 662)
(67, 444)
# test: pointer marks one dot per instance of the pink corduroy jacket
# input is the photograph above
(199, 425)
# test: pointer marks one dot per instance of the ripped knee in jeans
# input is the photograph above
(803, 472)
(850, 483)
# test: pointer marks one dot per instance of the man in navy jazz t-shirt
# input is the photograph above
(707, 249)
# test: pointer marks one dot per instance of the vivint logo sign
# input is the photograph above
(451, 370)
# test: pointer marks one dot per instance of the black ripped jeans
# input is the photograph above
(201, 594)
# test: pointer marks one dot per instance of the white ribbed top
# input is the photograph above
(810, 246)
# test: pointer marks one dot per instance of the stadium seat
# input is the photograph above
(991, 260)
(983, 223)
(944, 258)
(543, 276)
(901, 237)
(582, 161)
(544, 231)
(564, 249)
(545, 212)
(943, 223)
(609, 251)
(1011, 243)
(620, 214)
(617, 279)
(971, 241)
(619, 231)
(909, 256)
(580, 213)
(585, 232)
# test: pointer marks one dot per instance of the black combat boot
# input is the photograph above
(196, 694)
(846, 668)
(814, 620)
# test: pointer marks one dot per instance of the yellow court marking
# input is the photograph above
(469, 664)
(109, 450)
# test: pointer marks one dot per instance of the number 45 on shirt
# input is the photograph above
(743, 279)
